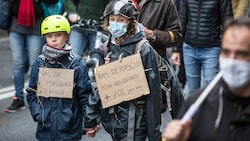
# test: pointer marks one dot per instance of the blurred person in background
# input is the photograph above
(88, 10)
(248, 9)
(202, 24)
(161, 24)
(51, 7)
(163, 30)
(239, 8)
(179, 66)
(225, 113)
(25, 43)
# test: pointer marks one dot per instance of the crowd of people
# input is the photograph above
(206, 37)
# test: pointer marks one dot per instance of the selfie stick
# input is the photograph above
(195, 106)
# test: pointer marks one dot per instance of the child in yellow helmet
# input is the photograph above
(59, 117)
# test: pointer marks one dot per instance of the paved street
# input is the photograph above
(5, 62)
(20, 126)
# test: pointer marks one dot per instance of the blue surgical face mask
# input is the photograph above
(117, 29)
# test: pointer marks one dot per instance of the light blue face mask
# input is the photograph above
(117, 29)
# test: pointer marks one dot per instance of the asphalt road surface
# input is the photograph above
(20, 126)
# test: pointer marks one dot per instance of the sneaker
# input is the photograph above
(17, 104)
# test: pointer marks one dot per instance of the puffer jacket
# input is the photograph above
(60, 119)
(231, 123)
(162, 17)
(202, 21)
(151, 109)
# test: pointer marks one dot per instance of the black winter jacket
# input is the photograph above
(202, 21)
(234, 123)
(150, 111)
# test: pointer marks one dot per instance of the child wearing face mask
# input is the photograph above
(143, 114)
(58, 117)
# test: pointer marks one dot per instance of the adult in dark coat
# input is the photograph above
(225, 114)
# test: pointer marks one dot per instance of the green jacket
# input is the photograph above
(87, 9)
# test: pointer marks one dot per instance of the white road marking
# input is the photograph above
(8, 92)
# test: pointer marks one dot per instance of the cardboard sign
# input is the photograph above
(121, 80)
(54, 82)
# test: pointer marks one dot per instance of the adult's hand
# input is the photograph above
(73, 17)
(176, 59)
(177, 131)
(149, 33)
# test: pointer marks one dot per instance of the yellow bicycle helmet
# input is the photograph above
(55, 23)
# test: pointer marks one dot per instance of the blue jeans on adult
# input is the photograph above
(248, 11)
(81, 40)
(22, 47)
(199, 61)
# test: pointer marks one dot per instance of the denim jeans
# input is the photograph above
(199, 61)
(82, 40)
(23, 47)
(248, 11)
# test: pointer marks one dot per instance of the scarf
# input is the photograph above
(53, 55)
(26, 13)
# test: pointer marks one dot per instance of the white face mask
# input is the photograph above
(236, 73)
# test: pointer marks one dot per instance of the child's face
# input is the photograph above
(56, 39)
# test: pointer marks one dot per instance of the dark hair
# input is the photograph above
(242, 21)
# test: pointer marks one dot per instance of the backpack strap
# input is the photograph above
(139, 45)
(131, 122)
(138, 48)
